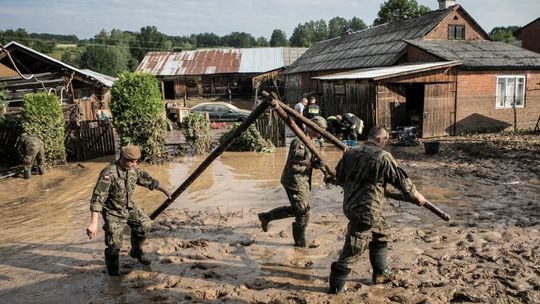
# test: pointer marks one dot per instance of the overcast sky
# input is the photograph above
(85, 18)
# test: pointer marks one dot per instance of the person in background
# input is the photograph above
(312, 109)
(31, 150)
(299, 107)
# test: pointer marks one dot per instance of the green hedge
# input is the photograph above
(42, 117)
(249, 140)
(138, 113)
(197, 133)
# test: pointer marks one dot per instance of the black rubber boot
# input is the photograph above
(112, 261)
(41, 170)
(377, 258)
(265, 220)
(338, 278)
(27, 173)
(136, 251)
(139, 255)
(299, 235)
(275, 214)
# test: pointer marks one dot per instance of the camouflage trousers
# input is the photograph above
(33, 152)
(299, 208)
(114, 227)
(357, 240)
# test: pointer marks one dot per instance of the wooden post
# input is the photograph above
(331, 138)
(303, 137)
(213, 155)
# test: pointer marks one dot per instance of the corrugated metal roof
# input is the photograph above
(86, 73)
(480, 54)
(218, 61)
(386, 72)
(375, 46)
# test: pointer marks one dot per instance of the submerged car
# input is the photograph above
(221, 111)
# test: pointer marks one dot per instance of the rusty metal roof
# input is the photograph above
(218, 61)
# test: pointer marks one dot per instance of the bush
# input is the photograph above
(138, 113)
(249, 140)
(197, 133)
(42, 117)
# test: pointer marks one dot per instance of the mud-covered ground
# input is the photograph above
(209, 248)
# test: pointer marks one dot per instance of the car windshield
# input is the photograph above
(215, 107)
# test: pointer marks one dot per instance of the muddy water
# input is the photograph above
(46, 257)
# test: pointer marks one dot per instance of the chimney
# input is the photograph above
(444, 4)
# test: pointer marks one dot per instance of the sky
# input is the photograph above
(85, 18)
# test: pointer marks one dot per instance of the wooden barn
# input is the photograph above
(439, 72)
(88, 90)
(219, 72)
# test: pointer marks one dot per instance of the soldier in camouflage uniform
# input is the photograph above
(112, 197)
(296, 179)
(364, 172)
(31, 148)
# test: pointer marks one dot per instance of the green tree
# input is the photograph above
(337, 27)
(278, 38)
(72, 56)
(395, 10)
(504, 33)
(106, 59)
(302, 36)
(139, 114)
(319, 29)
(42, 117)
(357, 24)
(262, 41)
(4, 98)
(239, 40)
(147, 40)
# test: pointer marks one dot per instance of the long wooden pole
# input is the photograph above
(428, 205)
(259, 110)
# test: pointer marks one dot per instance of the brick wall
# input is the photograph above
(530, 36)
(476, 99)
(456, 17)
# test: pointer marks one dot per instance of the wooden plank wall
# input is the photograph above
(359, 99)
(388, 96)
(272, 128)
(90, 139)
(439, 106)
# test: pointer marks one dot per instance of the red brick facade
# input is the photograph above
(530, 36)
(476, 102)
(456, 17)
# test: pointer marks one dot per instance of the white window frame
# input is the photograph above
(509, 104)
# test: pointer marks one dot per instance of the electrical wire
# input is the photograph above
(32, 76)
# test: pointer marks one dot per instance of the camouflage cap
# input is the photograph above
(131, 152)
(320, 121)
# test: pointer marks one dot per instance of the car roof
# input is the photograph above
(215, 103)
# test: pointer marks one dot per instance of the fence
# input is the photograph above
(271, 127)
(89, 139)
(10, 130)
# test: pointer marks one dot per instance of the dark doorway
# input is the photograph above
(414, 94)
(168, 88)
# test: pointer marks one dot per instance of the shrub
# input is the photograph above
(138, 113)
(197, 133)
(249, 140)
(42, 117)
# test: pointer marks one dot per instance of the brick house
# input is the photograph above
(438, 71)
(530, 36)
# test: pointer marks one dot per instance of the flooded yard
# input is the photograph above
(209, 247)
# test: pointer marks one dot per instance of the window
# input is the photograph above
(510, 92)
(456, 32)
(339, 89)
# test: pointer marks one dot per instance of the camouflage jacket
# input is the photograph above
(114, 189)
(364, 172)
(298, 168)
(28, 143)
